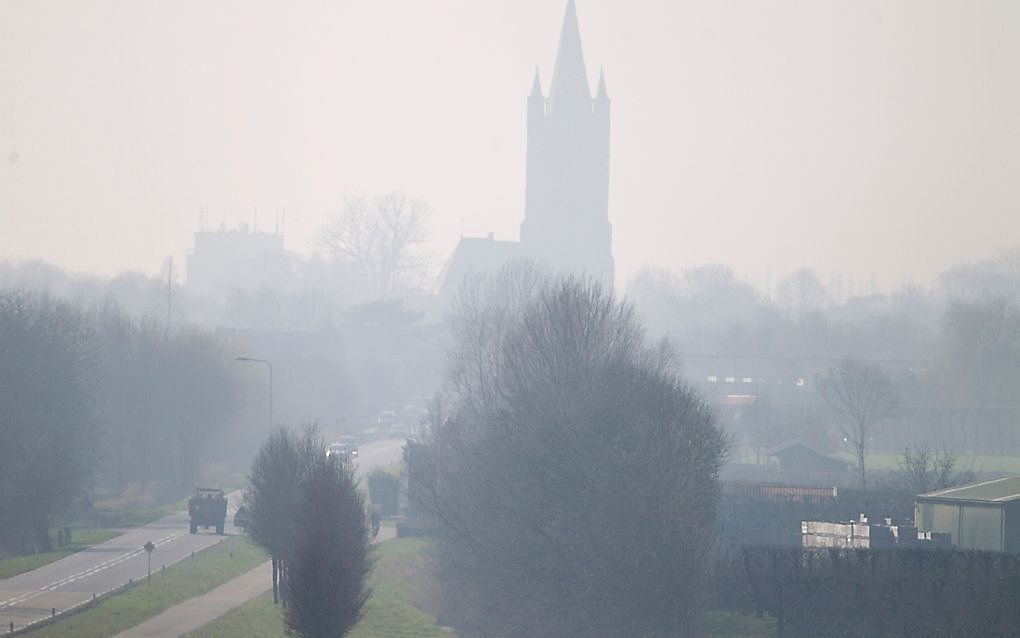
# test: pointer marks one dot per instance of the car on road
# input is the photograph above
(351, 442)
(343, 451)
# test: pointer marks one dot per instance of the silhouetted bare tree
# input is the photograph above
(924, 470)
(802, 293)
(329, 563)
(862, 396)
(382, 239)
(577, 482)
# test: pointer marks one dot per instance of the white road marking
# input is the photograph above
(95, 569)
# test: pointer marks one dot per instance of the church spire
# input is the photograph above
(570, 77)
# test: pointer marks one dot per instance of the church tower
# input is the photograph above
(566, 217)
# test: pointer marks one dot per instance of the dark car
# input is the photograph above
(241, 518)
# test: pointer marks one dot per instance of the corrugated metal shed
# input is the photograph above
(983, 515)
(998, 490)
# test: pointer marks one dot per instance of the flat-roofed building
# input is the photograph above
(983, 515)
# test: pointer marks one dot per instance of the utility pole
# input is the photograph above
(270, 366)
(169, 288)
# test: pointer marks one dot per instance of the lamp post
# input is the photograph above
(270, 366)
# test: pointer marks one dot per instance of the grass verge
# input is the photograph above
(191, 577)
(140, 517)
(390, 612)
(397, 582)
(82, 539)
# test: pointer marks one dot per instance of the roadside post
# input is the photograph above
(148, 547)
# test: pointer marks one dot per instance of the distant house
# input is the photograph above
(795, 455)
(983, 515)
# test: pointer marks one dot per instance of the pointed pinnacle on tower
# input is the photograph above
(536, 86)
(602, 93)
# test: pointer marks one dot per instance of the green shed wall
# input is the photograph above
(1012, 534)
(970, 525)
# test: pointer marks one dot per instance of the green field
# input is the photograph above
(397, 582)
(191, 577)
(82, 539)
(982, 464)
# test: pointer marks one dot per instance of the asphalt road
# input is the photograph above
(73, 581)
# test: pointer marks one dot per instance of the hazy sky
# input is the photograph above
(868, 137)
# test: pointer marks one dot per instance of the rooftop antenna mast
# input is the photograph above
(169, 289)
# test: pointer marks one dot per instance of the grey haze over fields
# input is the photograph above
(866, 137)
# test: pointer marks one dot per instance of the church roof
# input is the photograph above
(475, 254)
(570, 77)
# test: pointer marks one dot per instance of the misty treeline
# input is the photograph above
(335, 352)
(92, 397)
(306, 511)
(572, 481)
(948, 351)
(873, 592)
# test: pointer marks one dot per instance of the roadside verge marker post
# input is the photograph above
(148, 547)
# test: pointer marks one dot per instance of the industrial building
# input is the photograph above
(984, 515)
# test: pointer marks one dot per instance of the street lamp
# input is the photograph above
(270, 366)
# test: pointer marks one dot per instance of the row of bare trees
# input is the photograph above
(947, 351)
(48, 410)
(573, 481)
(93, 397)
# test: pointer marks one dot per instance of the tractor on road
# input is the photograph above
(207, 508)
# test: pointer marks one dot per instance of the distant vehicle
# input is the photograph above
(387, 419)
(241, 518)
(342, 450)
(351, 442)
(399, 431)
(207, 508)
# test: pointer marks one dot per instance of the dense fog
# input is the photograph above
(511, 319)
